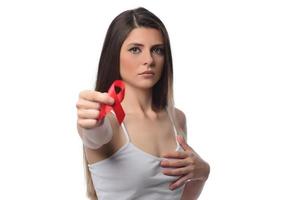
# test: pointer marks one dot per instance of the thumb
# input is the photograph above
(183, 143)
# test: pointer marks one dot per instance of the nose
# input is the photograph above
(148, 58)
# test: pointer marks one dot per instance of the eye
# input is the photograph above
(158, 50)
(135, 50)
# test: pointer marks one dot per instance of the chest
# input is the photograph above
(143, 171)
(152, 136)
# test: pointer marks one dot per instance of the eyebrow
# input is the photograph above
(141, 45)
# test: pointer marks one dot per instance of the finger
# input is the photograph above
(88, 113)
(85, 104)
(177, 171)
(87, 123)
(180, 182)
(96, 97)
(183, 143)
(176, 154)
(177, 162)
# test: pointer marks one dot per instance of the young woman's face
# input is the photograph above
(142, 57)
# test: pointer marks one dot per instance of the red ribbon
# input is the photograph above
(118, 97)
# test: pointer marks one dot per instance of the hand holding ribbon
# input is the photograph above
(117, 92)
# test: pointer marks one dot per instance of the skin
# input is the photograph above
(142, 51)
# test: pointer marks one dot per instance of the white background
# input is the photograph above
(236, 77)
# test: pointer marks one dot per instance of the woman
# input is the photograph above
(146, 157)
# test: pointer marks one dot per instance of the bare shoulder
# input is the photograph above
(181, 121)
(113, 122)
(180, 117)
(118, 138)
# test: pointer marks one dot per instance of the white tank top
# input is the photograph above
(130, 173)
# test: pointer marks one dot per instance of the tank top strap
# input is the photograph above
(174, 127)
(124, 129)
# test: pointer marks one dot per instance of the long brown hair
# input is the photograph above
(109, 64)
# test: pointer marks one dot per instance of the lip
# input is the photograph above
(147, 73)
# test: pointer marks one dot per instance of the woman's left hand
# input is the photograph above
(187, 164)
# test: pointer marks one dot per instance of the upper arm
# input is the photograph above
(181, 122)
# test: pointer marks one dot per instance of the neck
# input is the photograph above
(138, 101)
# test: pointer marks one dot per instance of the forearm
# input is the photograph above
(96, 137)
(192, 190)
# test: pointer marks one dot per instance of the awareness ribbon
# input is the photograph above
(118, 96)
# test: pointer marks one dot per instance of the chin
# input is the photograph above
(144, 84)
